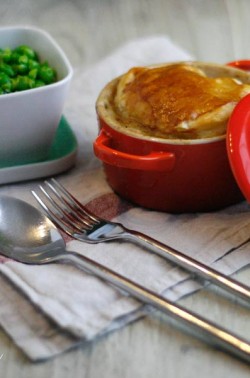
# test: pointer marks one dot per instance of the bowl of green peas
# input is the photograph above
(35, 76)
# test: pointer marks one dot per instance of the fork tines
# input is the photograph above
(63, 209)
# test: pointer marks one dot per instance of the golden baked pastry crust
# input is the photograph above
(176, 101)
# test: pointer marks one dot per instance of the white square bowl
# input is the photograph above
(29, 118)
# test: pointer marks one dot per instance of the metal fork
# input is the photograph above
(77, 221)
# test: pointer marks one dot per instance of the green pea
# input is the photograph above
(33, 73)
(6, 55)
(33, 64)
(39, 83)
(32, 83)
(26, 50)
(20, 69)
(7, 69)
(22, 83)
(5, 82)
(46, 74)
(3, 78)
(14, 57)
(23, 59)
(7, 87)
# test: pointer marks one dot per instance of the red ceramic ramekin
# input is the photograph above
(174, 176)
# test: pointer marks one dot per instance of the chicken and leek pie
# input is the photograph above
(178, 101)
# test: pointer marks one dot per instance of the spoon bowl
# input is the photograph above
(28, 236)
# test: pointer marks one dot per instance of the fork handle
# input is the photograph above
(188, 263)
(214, 335)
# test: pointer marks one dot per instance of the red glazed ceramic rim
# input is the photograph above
(238, 138)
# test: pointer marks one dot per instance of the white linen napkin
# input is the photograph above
(59, 306)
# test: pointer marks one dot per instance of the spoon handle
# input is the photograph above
(209, 332)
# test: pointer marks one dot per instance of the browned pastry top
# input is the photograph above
(177, 100)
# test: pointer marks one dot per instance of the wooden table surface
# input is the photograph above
(87, 30)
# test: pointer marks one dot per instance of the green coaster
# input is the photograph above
(65, 141)
(61, 157)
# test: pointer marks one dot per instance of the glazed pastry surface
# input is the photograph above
(177, 101)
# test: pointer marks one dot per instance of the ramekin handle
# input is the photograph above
(154, 161)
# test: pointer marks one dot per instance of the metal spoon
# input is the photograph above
(28, 236)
